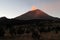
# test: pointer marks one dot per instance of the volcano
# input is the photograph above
(34, 14)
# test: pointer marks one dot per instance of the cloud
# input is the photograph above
(53, 6)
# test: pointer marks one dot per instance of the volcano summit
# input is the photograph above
(34, 14)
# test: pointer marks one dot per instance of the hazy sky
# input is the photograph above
(13, 8)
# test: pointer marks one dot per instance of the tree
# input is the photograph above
(35, 35)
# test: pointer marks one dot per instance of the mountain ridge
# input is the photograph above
(35, 14)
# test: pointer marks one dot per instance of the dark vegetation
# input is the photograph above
(14, 27)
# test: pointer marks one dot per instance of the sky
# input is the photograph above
(14, 8)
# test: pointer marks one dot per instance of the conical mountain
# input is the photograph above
(34, 14)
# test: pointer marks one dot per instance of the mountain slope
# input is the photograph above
(35, 14)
